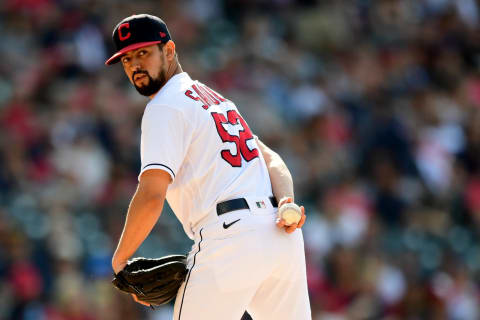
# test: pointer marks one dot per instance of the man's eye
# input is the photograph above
(141, 53)
(125, 60)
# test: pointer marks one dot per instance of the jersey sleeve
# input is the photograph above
(163, 140)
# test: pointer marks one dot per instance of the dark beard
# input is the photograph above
(153, 84)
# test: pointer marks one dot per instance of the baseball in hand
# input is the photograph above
(290, 212)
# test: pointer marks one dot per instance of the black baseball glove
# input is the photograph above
(154, 281)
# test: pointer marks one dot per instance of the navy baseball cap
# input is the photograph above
(137, 31)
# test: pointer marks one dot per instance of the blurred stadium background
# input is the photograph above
(374, 105)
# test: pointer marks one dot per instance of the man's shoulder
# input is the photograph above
(187, 96)
(173, 95)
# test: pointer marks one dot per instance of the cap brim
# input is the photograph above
(116, 57)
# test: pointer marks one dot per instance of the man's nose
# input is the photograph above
(135, 65)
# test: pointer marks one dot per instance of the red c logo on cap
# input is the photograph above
(124, 37)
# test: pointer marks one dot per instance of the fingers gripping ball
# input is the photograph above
(290, 213)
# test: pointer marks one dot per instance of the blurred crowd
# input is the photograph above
(373, 105)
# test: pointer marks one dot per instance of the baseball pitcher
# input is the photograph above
(199, 154)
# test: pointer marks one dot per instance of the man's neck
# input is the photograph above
(173, 69)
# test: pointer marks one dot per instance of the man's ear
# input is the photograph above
(169, 50)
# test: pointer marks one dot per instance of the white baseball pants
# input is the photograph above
(250, 265)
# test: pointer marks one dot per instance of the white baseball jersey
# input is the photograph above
(201, 140)
(240, 260)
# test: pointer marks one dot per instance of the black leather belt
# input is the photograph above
(239, 204)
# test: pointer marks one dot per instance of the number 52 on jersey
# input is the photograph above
(231, 128)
